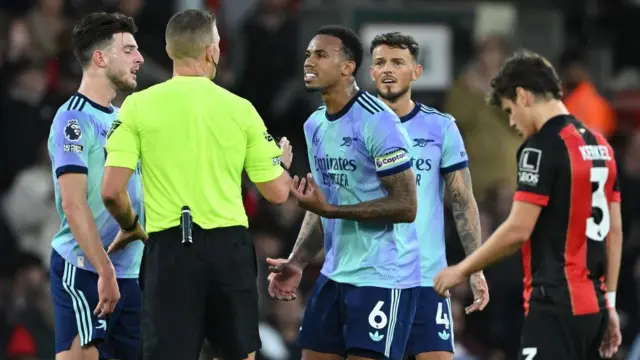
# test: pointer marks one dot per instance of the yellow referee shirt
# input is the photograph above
(194, 139)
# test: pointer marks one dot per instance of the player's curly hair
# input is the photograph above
(352, 48)
(528, 70)
(96, 30)
(396, 40)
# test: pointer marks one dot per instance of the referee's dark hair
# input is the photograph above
(396, 40)
(96, 30)
(189, 32)
(528, 70)
(351, 45)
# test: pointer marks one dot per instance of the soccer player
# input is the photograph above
(96, 298)
(363, 303)
(565, 216)
(440, 161)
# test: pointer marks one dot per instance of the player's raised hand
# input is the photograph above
(108, 293)
(480, 291)
(309, 195)
(447, 279)
(284, 278)
(287, 152)
(124, 238)
(612, 336)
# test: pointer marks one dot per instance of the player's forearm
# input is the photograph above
(614, 254)
(399, 206)
(119, 206)
(505, 241)
(310, 241)
(614, 249)
(84, 230)
(464, 209)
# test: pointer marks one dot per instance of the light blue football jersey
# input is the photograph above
(436, 150)
(77, 145)
(349, 152)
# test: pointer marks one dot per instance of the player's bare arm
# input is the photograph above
(613, 337)
(464, 208)
(285, 274)
(73, 191)
(467, 218)
(506, 240)
(399, 206)
(309, 242)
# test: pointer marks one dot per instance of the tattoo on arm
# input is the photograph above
(310, 241)
(464, 208)
(400, 205)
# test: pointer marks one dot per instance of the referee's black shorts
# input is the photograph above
(206, 290)
(552, 331)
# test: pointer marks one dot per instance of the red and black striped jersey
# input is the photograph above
(571, 173)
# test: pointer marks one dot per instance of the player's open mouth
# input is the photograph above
(388, 80)
(308, 76)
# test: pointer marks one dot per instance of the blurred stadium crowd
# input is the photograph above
(261, 43)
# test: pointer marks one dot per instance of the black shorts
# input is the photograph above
(551, 331)
(206, 290)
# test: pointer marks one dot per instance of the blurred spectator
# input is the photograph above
(32, 334)
(25, 118)
(29, 207)
(581, 96)
(269, 33)
(491, 144)
(46, 24)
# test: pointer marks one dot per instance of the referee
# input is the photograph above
(193, 139)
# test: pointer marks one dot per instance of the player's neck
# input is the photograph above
(337, 98)
(97, 88)
(402, 106)
(549, 110)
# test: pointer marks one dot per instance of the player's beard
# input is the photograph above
(119, 79)
(393, 96)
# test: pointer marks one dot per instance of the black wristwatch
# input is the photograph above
(132, 227)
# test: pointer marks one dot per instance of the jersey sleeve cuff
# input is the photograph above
(264, 176)
(455, 167)
(531, 198)
(400, 168)
(122, 159)
(615, 197)
(71, 169)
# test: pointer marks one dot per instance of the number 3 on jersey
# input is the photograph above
(598, 231)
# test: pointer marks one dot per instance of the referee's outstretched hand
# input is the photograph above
(287, 152)
(284, 278)
(125, 237)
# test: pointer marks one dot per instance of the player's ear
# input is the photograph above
(417, 72)
(100, 58)
(522, 97)
(349, 68)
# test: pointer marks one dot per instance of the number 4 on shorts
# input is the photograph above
(441, 317)
(529, 353)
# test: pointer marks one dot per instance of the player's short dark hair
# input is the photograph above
(189, 32)
(96, 30)
(352, 48)
(396, 40)
(529, 71)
